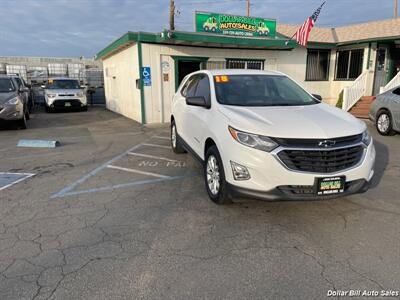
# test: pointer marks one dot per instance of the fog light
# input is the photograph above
(240, 172)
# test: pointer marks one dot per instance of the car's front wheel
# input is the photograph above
(175, 142)
(22, 123)
(384, 123)
(214, 177)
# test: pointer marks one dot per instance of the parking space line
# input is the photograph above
(26, 176)
(69, 188)
(152, 156)
(162, 137)
(137, 171)
(156, 145)
(123, 185)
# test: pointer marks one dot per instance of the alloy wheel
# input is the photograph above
(383, 122)
(213, 175)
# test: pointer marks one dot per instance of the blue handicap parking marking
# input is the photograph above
(9, 179)
(146, 74)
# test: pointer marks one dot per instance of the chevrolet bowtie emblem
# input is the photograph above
(327, 143)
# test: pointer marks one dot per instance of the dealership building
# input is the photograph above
(143, 70)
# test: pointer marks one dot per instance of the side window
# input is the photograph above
(396, 92)
(203, 88)
(189, 88)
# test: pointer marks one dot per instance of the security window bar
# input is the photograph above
(317, 68)
(252, 64)
(349, 64)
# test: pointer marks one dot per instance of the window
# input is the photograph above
(203, 88)
(190, 86)
(396, 92)
(317, 67)
(62, 84)
(349, 64)
(19, 82)
(6, 85)
(253, 64)
(261, 90)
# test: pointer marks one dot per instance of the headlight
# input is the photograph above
(366, 138)
(51, 95)
(13, 101)
(253, 140)
(80, 94)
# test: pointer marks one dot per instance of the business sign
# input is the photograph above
(234, 25)
(146, 75)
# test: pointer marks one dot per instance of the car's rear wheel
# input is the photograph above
(175, 142)
(214, 177)
(384, 123)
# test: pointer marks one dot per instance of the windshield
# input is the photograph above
(63, 84)
(6, 85)
(260, 90)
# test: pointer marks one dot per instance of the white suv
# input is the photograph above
(260, 134)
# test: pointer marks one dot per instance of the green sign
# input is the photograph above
(234, 25)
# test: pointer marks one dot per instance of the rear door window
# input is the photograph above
(189, 88)
(203, 88)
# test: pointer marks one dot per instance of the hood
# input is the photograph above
(309, 121)
(4, 97)
(61, 91)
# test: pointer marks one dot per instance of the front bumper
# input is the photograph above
(298, 192)
(12, 112)
(270, 179)
(66, 102)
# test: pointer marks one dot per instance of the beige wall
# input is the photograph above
(120, 73)
(123, 97)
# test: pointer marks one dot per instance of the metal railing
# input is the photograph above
(391, 84)
(353, 93)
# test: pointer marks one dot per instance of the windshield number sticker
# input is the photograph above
(221, 78)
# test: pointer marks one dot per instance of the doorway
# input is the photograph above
(380, 69)
(185, 65)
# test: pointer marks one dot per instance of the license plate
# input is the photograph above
(330, 185)
(67, 104)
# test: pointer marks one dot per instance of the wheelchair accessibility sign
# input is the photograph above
(146, 75)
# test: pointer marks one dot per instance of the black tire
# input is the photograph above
(221, 194)
(384, 130)
(84, 108)
(22, 123)
(48, 109)
(176, 144)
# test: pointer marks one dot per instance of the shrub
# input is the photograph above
(339, 103)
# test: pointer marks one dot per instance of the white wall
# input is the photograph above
(120, 73)
(123, 97)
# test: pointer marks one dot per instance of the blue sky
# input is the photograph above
(71, 28)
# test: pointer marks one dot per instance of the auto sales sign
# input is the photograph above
(234, 25)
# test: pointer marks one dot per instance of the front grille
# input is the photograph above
(73, 102)
(315, 143)
(322, 161)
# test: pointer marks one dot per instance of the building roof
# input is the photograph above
(184, 38)
(369, 31)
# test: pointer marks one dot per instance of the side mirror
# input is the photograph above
(42, 86)
(318, 97)
(197, 101)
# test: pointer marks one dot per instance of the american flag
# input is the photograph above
(303, 32)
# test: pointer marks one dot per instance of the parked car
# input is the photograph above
(64, 93)
(385, 112)
(260, 134)
(28, 92)
(13, 102)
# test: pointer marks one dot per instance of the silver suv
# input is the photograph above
(64, 93)
(13, 101)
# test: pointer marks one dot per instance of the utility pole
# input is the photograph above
(248, 8)
(395, 9)
(171, 15)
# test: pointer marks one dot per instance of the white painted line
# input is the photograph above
(155, 157)
(27, 175)
(137, 171)
(162, 137)
(156, 145)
